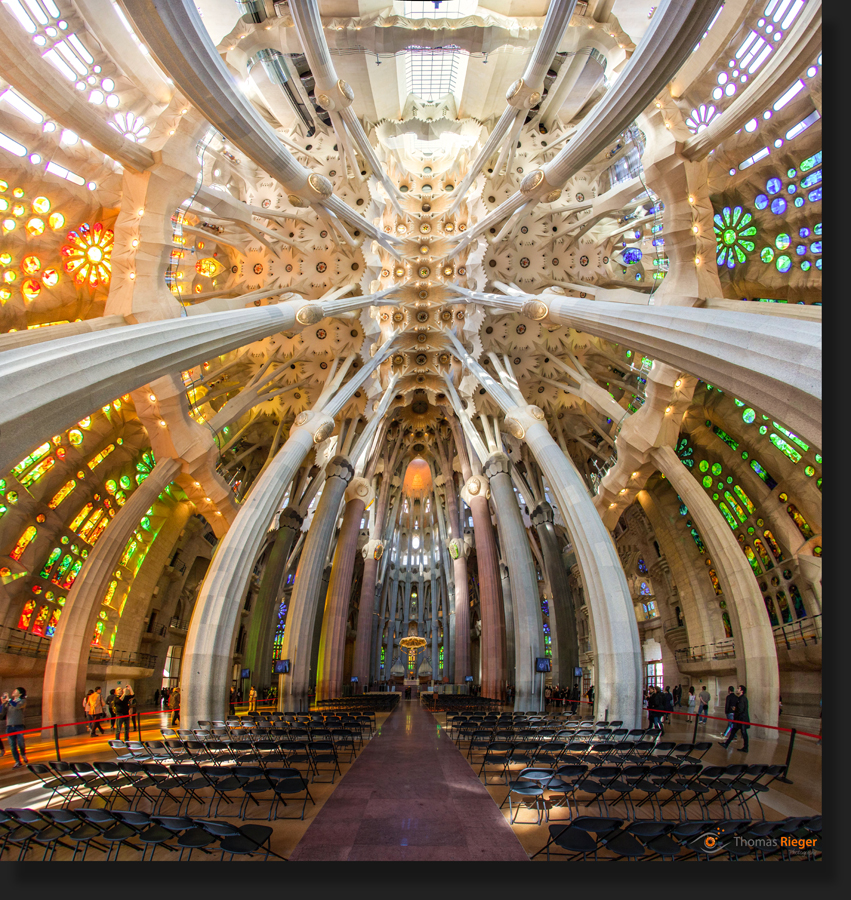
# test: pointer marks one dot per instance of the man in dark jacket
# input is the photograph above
(730, 703)
(656, 709)
(741, 720)
(120, 708)
(669, 704)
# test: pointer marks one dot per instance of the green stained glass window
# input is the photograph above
(728, 439)
(791, 436)
(728, 516)
(740, 513)
(773, 545)
(763, 553)
(766, 254)
(752, 560)
(818, 458)
(785, 447)
(707, 481)
(748, 415)
(703, 465)
(809, 471)
(763, 429)
(716, 468)
(746, 501)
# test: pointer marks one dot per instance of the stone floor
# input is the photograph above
(410, 795)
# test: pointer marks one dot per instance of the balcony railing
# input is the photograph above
(179, 624)
(802, 633)
(719, 650)
(23, 643)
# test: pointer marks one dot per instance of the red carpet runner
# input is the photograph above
(410, 795)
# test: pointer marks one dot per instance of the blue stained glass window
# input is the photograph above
(817, 228)
(782, 241)
(811, 161)
(811, 179)
(783, 263)
(816, 247)
(806, 265)
(799, 202)
(801, 249)
(814, 196)
(792, 188)
(818, 263)
(761, 201)
(778, 206)
(804, 232)
(632, 255)
(773, 185)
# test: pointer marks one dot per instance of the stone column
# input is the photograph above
(508, 614)
(367, 612)
(261, 629)
(492, 637)
(528, 630)
(756, 654)
(317, 625)
(332, 642)
(615, 631)
(68, 657)
(301, 616)
(562, 603)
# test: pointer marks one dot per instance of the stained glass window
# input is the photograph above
(785, 447)
(763, 474)
(773, 545)
(26, 615)
(752, 559)
(51, 561)
(728, 628)
(698, 540)
(799, 520)
(797, 601)
(746, 501)
(763, 553)
(41, 621)
(772, 615)
(716, 585)
(728, 516)
(23, 542)
(783, 606)
(737, 509)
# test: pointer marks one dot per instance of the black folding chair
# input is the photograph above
(186, 834)
(323, 752)
(288, 783)
(576, 838)
(243, 841)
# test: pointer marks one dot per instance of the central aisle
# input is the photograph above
(410, 795)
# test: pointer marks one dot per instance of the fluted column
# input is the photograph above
(332, 643)
(508, 614)
(528, 628)
(208, 654)
(366, 613)
(493, 624)
(567, 645)
(756, 654)
(68, 656)
(261, 629)
(301, 616)
(61, 381)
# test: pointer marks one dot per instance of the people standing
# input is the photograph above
(678, 694)
(252, 699)
(157, 698)
(574, 699)
(704, 697)
(548, 695)
(730, 702)
(174, 704)
(741, 721)
(691, 702)
(669, 704)
(130, 696)
(96, 711)
(590, 696)
(121, 709)
(109, 699)
(13, 711)
(656, 709)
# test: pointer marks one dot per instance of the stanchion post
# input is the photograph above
(56, 742)
(785, 776)
(139, 727)
(694, 735)
(606, 716)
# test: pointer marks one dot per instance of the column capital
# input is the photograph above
(340, 467)
(542, 514)
(458, 548)
(373, 548)
(496, 464)
(476, 486)
(290, 518)
(319, 424)
(360, 489)
(519, 419)
(336, 98)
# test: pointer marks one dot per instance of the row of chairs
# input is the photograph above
(635, 785)
(179, 783)
(383, 702)
(313, 755)
(108, 831)
(703, 840)
(533, 749)
(293, 732)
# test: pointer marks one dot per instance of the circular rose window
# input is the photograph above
(321, 267)
(258, 268)
(321, 333)
(521, 328)
(266, 204)
(583, 260)
(524, 263)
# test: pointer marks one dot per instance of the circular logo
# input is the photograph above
(710, 841)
